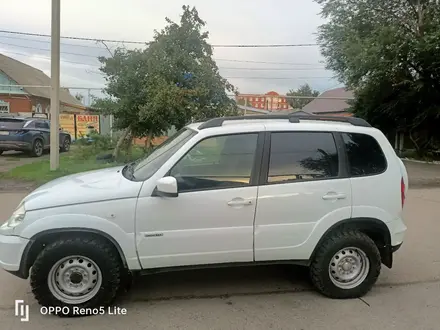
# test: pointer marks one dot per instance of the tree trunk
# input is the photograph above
(120, 142)
(148, 140)
(129, 140)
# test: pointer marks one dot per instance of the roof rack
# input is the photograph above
(218, 122)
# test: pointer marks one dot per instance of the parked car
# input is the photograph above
(30, 135)
(324, 192)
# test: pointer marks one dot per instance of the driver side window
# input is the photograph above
(217, 162)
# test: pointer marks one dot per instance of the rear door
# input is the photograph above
(303, 188)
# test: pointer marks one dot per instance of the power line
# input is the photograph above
(263, 62)
(48, 42)
(47, 58)
(146, 43)
(217, 59)
(272, 69)
(278, 78)
(48, 50)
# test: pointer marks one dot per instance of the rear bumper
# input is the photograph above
(15, 145)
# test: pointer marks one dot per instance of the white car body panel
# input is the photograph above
(196, 228)
(87, 187)
(288, 214)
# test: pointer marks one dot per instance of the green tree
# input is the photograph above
(387, 52)
(171, 82)
(303, 90)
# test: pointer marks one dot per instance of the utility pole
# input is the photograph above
(55, 87)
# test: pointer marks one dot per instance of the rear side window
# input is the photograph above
(302, 156)
(365, 157)
(41, 124)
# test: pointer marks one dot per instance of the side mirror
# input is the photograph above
(166, 187)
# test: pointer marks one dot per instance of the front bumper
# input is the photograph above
(11, 252)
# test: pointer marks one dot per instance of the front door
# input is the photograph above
(212, 219)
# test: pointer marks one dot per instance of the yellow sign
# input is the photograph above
(67, 123)
(86, 124)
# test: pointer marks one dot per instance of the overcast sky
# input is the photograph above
(228, 21)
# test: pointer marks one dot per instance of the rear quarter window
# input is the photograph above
(365, 156)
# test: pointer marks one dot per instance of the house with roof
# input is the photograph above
(249, 111)
(338, 106)
(30, 100)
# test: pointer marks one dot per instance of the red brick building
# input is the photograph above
(271, 101)
(28, 100)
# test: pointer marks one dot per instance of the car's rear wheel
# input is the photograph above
(83, 272)
(346, 265)
(37, 148)
(65, 147)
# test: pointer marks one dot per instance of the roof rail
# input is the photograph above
(218, 122)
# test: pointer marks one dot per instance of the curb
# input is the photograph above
(434, 162)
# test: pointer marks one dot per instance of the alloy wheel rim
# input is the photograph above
(38, 148)
(74, 279)
(349, 267)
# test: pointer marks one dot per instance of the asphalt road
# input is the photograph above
(406, 297)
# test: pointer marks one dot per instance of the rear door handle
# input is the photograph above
(240, 202)
(334, 196)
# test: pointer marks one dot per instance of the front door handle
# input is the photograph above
(334, 196)
(240, 202)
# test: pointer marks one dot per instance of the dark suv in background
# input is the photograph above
(30, 135)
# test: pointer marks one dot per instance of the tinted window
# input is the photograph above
(11, 123)
(302, 156)
(41, 124)
(217, 162)
(364, 154)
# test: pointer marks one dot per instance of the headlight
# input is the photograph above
(16, 217)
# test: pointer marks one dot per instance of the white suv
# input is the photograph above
(325, 192)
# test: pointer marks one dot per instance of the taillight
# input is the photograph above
(402, 191)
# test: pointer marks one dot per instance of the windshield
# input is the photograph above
(147, 166)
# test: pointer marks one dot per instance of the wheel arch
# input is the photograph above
(42, 239)
(376, 229)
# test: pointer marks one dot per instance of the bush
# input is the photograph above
(93, 145)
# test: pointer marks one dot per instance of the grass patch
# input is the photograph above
(70, 163)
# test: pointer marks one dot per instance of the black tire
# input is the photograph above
(1, 151)
(37, 148)
(65, 146)
(99, 251)
(319, 269)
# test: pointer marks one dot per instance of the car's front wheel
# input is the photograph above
(346, 265)
(82, 272)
